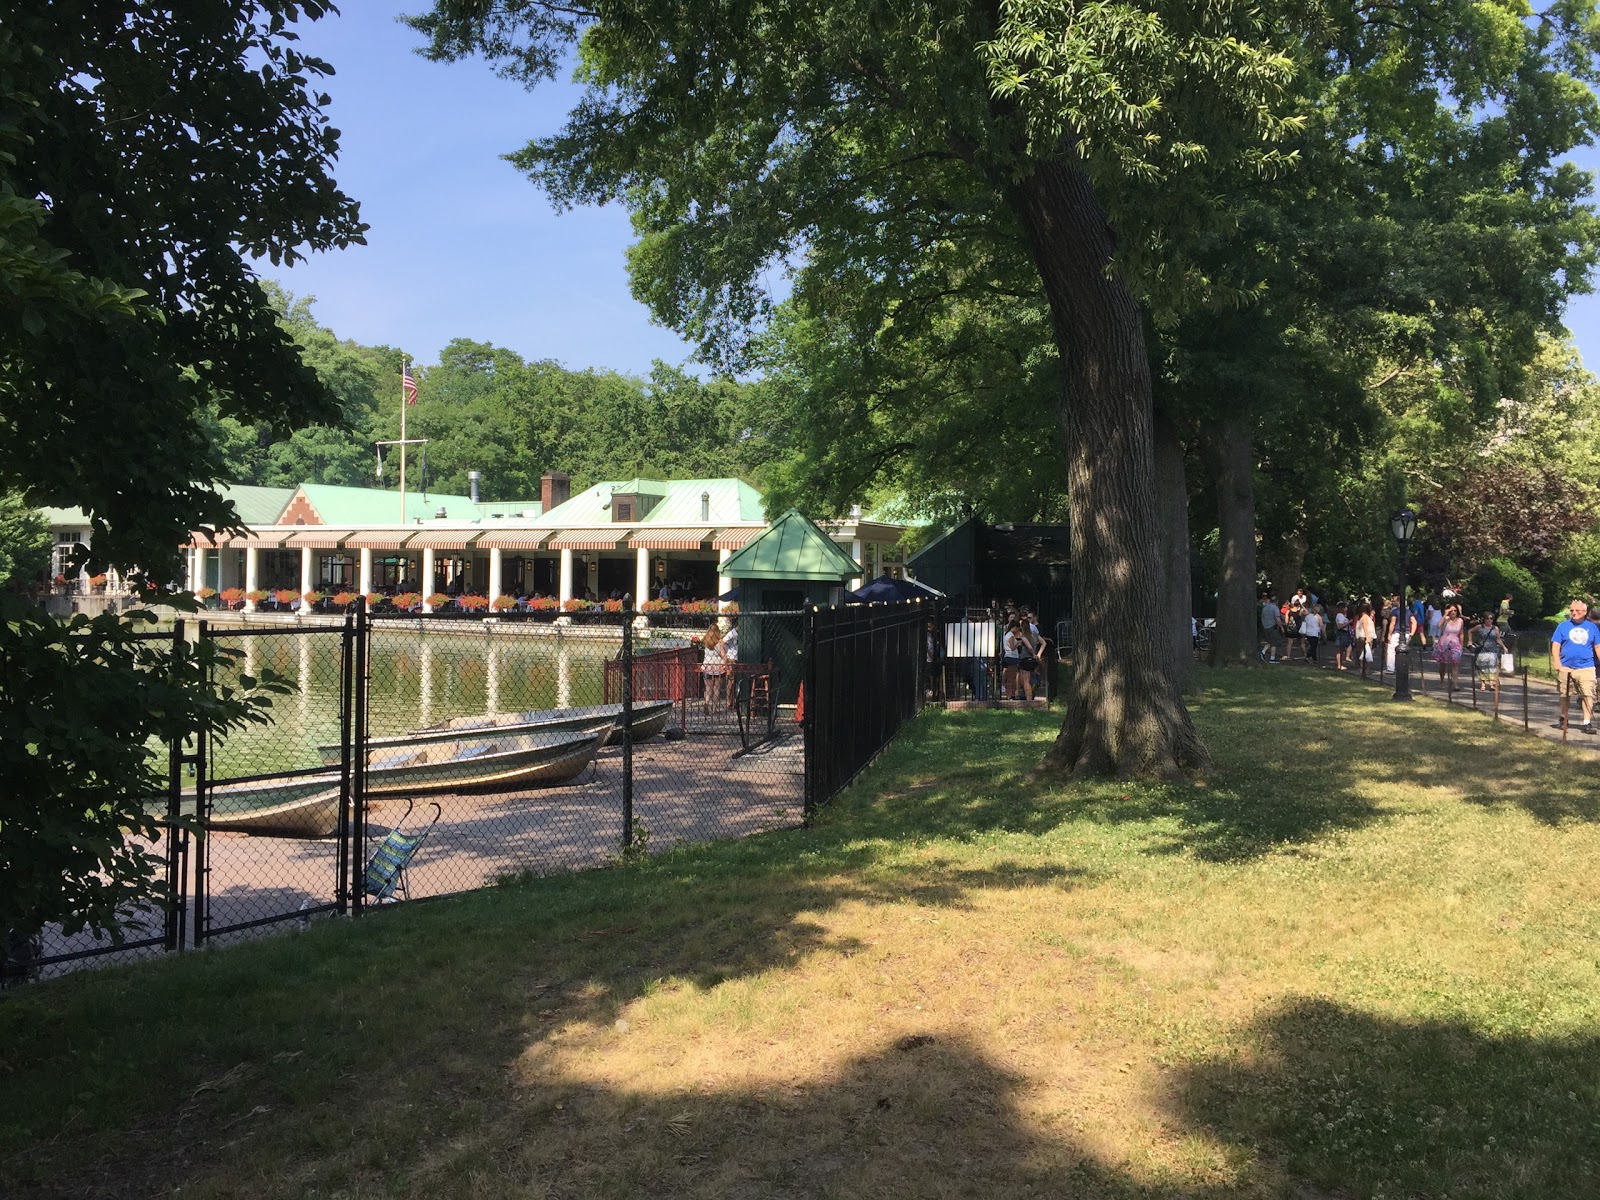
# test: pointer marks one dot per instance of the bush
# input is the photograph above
(1574, 571)
(1498, 578)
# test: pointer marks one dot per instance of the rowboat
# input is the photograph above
(649, 719)
(312, 817)
(498, 763)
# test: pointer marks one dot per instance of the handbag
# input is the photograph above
(1508, 663)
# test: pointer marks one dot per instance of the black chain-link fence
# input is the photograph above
(406, 757)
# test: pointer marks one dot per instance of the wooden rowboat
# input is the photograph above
(497, 764)
(649, 718)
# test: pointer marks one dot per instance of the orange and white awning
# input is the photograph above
(513, 539)
(440, 539)
(738, 538)
(320, 539)
(589, 539)
(670, 539)
(377, 539)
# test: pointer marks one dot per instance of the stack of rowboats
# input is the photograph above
(505, 752)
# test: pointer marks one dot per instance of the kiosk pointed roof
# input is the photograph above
(793, 548)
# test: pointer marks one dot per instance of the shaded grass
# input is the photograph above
(1359, 958)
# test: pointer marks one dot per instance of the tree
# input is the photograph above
(839, 140)
(148, 153)
(24, 543)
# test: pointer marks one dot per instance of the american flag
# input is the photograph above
(408, 385)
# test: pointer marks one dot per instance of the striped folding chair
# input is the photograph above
(386, 872)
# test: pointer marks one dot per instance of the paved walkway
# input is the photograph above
(1542, 706)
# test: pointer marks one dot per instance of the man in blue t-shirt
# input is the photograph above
(1572, 659)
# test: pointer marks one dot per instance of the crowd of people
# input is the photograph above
(1362, 629)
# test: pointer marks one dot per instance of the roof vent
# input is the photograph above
(855, 512)
(440, 513)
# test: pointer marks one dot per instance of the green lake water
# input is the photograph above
(416, 679)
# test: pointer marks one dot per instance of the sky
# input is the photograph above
(462, 245)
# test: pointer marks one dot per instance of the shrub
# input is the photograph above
(286, 596)
(255, 595)
(345, 599)
(374, 599)
(1500, 577)
(206, 593)
(655, 606)
(231, 596)
(611, 605)
(504, 603)
(575, 605)
(313, 597)
(544, 604)
(97, 581)
(438, 600)
(700, 606)
(472, 603)
(731, 608)
(406, 601)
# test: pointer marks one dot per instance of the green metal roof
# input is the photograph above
(64, 516)
(376, 506)
(728, 500)
(511, 508)
(256, 505)
(794, 548)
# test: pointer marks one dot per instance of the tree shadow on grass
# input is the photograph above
(1299, 757)
(1355, 1104)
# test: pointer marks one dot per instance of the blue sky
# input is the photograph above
(460, 244)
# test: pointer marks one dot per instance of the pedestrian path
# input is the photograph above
(1525, 701)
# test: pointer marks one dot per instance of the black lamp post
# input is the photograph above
(1403, 524)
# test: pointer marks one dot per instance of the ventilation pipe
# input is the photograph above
(472, 481)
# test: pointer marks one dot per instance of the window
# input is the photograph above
(622, 510)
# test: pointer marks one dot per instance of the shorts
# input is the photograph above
(1579, 679)
(1343, 639)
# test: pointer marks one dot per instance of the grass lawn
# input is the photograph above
(1361, 958)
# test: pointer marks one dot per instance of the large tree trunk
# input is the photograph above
(1172, 499)
(1125, 716)
(1234, 641)
(1284, 559)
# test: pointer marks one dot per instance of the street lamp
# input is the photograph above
(1403, 525)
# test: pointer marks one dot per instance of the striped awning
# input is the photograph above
(459, 539)
(319, 539)
(201, 540)
(513, 539)
(735, 539)
(670, 539)
(377, 539)
(256, 541)
(588, 539)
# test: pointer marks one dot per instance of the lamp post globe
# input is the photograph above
(1403, 525)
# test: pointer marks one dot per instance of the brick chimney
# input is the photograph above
(555, 487)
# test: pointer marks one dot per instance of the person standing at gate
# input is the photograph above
(714, 667)
(1572, 659)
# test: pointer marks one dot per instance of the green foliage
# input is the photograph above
(146, 153)
(1575, 571)
(1499, 578)
(86, 708)
(24, 543)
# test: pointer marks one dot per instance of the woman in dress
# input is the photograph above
(1366, 637)
(714, 666)
(1447, 650)
(1343, 636)
(1488, 645)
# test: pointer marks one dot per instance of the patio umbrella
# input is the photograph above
(731, 594)
(886, 589)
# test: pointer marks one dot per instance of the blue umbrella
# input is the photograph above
(886, 589)
(731, 594)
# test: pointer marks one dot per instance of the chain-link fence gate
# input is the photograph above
(406, 757)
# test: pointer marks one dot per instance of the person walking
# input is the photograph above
(1311, 631)
(1572, 660)
(1366, 637)
(1447, 646)
(1487, 645)
(1271, 628)
(1343, 636)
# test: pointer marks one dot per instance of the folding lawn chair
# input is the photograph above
(386, 873)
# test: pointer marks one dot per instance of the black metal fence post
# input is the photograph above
(359, 733)
(202, 810)
(627, 723)
(347, 666)
(1525, 697)
(177, 838)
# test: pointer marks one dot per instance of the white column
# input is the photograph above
(365, 579)
(724, 584)
(252, 558)
(492, 678)
(427, 578)
(855, 553)
(641, 577)
(566, 576)
(195, 583)
(306, 577)
(425, 694)
(495, 570)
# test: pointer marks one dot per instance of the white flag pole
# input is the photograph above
(403, 399)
